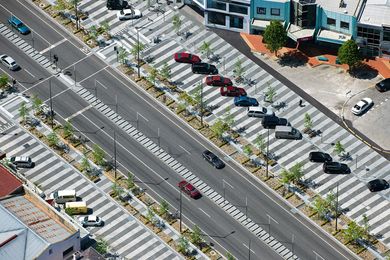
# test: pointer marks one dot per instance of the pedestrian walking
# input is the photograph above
(300, 102)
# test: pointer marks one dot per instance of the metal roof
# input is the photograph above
(376, 12)
(8, 182)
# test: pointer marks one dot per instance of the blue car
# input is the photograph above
(245, 101)
(16, 23)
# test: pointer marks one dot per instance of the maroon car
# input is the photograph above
(184, 57)
(189, 189)
(231, 91)
(218, 81)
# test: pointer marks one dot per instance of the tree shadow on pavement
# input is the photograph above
(293, 59)
(364, 71)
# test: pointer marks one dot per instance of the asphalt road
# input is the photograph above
(156, 177)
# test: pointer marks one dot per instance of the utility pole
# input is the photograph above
(201, 103)
(249, 249)
(180, 209)
(138, 45)
(114, 155)
(51, 107)
(337, 204)
(266, 169)
(74, 73)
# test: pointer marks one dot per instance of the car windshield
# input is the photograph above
(190, 187)
(357, 107)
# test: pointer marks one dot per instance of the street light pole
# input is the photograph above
(74, 73)
(138, 45)
(249, 249)
(337, 203)
(266, 170)
(180, 209)
(51, 107)
(158, 136)
(114, 155)
(201, 103)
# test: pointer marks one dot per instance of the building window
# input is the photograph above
(50, 251)
(238, 9)
(261, 10)
(67, 251)
(331, 21)
(344, 25)
(275, 11)
(216, 18)
(386, 36)
(217, 5)
(236, 22)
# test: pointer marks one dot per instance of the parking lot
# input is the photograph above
(335, 88)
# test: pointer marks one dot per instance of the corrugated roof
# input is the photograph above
(376, 12)
(36, 219)
(17, 240)
(8, 182)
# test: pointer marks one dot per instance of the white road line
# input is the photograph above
(57, 95)
(204, 212)
(248, 247)
(29, 73)
(184, 149)
(139, 114)
(231, 186)
(78, 112)
(53, 46)
(93, 74)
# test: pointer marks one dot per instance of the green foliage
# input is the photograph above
(183, 245)
(104, 26)
(62, 5)
(260, 143)
(116, 190)
(176, 22)
(307, 121)
(138, 47)
(353, 232)
(205, 48)
(229, 256)
(275, 36)
(338, 148)
(164, 207)
(366, 225)
(53, 139)
(187, 99)
(23, 111)
(165, 71)
(348, 53)
(153, 75)
(293, 175)
(68, 129)
(70, 211)
(248, 150)
(228, 118)
(3, 80)
(98, 154)
(320, 206)
(130, 180)
(219, 127)
(85, 165)
(122, 55)
(93, 32)
(150, 214)
(101, 246)
(270, 94)
(36, 104)
(197, 97)
(196, 236)
(331, 202)
(238, 69)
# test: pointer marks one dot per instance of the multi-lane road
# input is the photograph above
(177, 139)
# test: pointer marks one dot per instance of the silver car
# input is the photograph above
(9, 62)
(91, 221)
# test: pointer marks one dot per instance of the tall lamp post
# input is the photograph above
(201, 103)
(138, 45)
(51, 106)
(180, 207)
(337, 204)
(266, 169)
(114, 154)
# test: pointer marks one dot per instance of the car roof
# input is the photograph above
(92, 218)
(21, 158)
(16, 20)
(190, 186)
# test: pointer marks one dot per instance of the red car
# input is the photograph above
(184, 57)
(218, 81)
(189, 189)
(231, 91)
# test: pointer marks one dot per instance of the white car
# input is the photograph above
(9, 62)
(362, 106)
(127, 14)
(91, 221)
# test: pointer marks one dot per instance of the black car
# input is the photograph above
(319, 157)
(378, 185)
(117, 4)
(273, 121)
(204, 68)
(336, 168)
(383, 85)
(213, 159)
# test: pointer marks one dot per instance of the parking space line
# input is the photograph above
(208, 215)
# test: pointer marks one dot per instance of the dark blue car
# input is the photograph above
(245, 101)
(16, 23)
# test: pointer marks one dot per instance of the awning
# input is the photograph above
(260, 24)
(299, 34)
(332, 37)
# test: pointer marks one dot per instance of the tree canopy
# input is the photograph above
(275, 36)
(348, 53)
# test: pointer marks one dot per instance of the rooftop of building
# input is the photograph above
(348, 7)
(376, 12)
(8, 183)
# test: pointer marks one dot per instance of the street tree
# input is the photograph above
(98, 154)
(36, 104)
(275, 36)
(219, 128)
(130, 180)
(196, 236)
(260, 143)
(197, 97)
(93, 32)
(297, 172)
(229, 256)
(123, 54)
(23, 111)
(183, 245)
(164, 207)
(53, 139)
(165, 71)
(138, 47)
(205, 48)
(104, 27)
(3, 80)
(338, 148)
(68, 129)
(270, 94)
(247, 150)
(320, 206)
(238, 70)
(176, 22)
(331, 202)
(116, 190)
(228, 118)
(348, 53)
(152, 77)
(101, 246)
(74, 4)
(308, 123)
(150, 214)
(353, 232)
(85, 165)
(366, 225)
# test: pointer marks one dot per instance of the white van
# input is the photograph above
(260, 112)
(63, 196)
(287, 132)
